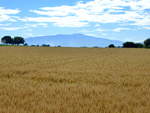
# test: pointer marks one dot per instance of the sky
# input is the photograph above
(124, 20)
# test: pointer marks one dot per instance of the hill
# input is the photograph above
(72, 40)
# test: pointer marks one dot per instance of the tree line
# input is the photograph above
(145, 44)
(17, 40)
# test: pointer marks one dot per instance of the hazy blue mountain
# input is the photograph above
(73, 40)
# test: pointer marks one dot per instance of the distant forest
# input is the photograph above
(17, 40)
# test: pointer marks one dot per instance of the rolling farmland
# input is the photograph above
(74, 80)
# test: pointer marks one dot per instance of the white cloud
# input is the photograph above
(10, 28)
(7, 14)
(100, 30)
(68, 21)
(147, 28)
(121, 29)
(55, 11)
(99, 11)
(35, 25)
(82, 14)
(8, 11)
(142, 22)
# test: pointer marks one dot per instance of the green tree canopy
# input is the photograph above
(129, 45)
(139, 45)
(147, 43)
(18, 40)
(7, 40)
(111, 46)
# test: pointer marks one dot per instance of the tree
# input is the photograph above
(147, 43)
(139, 45)
(18, 40)
(45, 45)
(111, 46)
(25, 44)
(59, 46)
(7, 40)
(129, 45)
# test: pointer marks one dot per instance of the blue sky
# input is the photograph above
(125, 20)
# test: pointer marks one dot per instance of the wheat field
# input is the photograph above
(74, 80)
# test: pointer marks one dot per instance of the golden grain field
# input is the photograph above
(74, 80)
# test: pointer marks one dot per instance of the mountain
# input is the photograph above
(72, 40)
